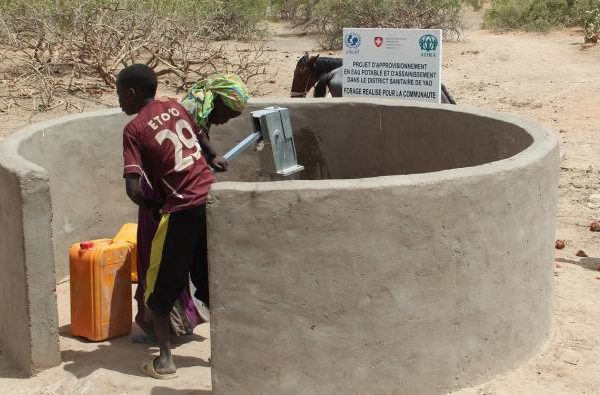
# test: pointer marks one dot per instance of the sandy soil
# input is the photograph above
(549, 78)
(112, 367)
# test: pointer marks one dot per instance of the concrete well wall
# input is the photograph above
(28, 314)
(432, 274)
(380, 272)
(83, 158)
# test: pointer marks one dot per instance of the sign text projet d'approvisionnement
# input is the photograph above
(393, 63)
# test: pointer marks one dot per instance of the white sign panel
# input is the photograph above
(393, 63)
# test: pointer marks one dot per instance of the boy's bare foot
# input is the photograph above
(164, 365)
(151, 369)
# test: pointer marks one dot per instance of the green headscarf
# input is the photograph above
(199, 101)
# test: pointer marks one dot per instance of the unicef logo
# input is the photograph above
(352, 40)
(428, 43)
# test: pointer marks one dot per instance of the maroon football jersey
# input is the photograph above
(161, 143)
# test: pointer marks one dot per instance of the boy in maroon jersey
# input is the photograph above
(163, 144)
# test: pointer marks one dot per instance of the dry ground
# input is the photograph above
(549, 78)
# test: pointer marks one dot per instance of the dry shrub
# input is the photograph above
(328, 17)
(537, 15)
(299, 12)
(60, 50)
(591, 23)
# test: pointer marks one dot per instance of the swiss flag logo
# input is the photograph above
(378, 41)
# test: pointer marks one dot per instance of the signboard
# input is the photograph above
(393, 63)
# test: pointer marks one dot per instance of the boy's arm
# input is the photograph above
(217, 162)
(134, 192)
(132, 170)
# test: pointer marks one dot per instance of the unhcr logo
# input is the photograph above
(428, 44)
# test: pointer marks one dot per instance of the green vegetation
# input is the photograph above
(217, 19)
(63, 47)
(537, 15)
(240, 19)
(591, 23)
(329, 17)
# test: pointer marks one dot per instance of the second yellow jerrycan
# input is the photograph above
(128, 234)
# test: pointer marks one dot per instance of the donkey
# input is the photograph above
(310, 70)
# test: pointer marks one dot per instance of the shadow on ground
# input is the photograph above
(586, 263)
(82, 357)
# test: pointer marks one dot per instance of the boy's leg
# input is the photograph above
(199, 267)
(147, 226)
(162, 328)
(171, 256)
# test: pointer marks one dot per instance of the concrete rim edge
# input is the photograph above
(544, 142)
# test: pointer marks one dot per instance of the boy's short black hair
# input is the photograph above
(140, 78)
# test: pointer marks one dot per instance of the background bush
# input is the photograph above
(328, 17)
(217, 19)
(536, 15)
(58, 48)
(591, 23)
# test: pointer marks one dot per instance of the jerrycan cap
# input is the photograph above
(86, 245)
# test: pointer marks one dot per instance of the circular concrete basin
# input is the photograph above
(415, 255)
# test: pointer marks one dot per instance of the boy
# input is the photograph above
(163, 144)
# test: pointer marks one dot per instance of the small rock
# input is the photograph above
(581, 253)
(595, 198)
(558, 266)
(595, 227)
(559, 244)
